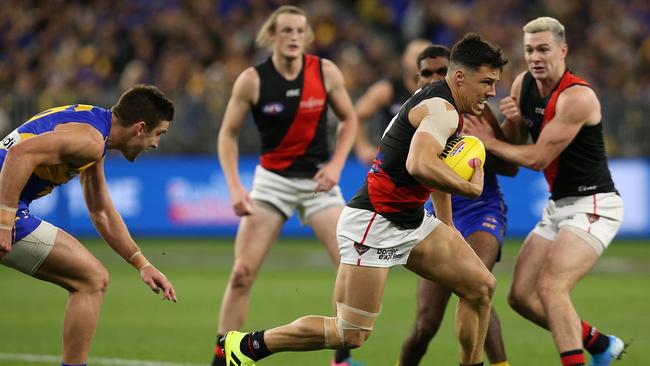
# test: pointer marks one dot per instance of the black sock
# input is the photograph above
(218, 359)
(473, 364)
(341, 355)
(253, 346)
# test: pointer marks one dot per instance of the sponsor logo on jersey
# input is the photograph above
(539, 110)
(273, 108)
(293, 92)
(312, 103)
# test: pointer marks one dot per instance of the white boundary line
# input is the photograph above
(26, 357)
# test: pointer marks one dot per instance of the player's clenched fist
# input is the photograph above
(510, 109)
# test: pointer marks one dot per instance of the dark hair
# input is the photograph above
(143, 103)
(432, 52)
(473, 52)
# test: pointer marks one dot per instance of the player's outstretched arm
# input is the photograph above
(339, 99)
(112, 229)
(436, 120)
(378, 96)
(575, 107)
(245, 92)
(493, 163)
(74, 143)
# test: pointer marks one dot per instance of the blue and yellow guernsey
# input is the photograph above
(45, 178)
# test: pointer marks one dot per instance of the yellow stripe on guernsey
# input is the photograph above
(55, 174)
(78, 108)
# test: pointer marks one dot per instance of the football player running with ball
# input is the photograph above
(481, 221)
(384, 224)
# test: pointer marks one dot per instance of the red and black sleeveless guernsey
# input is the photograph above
(292, 119)
(581, 169)
(389, 189)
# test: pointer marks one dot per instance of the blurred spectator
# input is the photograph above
(55, 51)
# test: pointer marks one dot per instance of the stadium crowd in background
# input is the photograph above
(57, 51)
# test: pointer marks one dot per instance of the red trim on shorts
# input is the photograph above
(589, 228)
(368, 228)
(365, 234)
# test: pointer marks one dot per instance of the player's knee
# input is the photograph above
(483, 290)
(95, 280)
(242, 277)
(355, 339)
(519, 300)
(426, 329)
(549, 288)
(349, 329)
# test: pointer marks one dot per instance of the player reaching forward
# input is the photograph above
(561, 113)
(49, 150)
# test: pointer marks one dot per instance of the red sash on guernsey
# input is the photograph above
(568, 79)
(305, 123)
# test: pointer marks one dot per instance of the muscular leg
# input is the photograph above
(568, 260)
(523, 296)
(358, 287)
(255, 236)
(71, 266)
(431, 301)
(486, 247)
(324, 224)
(444, 257)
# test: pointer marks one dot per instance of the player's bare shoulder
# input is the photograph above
(515, 89)
(332, 75)
(435, 116)
(247, 86)
(437, 108)
(579, 104)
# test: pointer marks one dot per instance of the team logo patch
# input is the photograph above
(273, 108)
(592, 218)
(360, 248)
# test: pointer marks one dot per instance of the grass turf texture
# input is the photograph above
(297, 279)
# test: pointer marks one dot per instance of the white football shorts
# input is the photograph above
(28, 254)
(287, 195)
(596, 217)
(368, 239)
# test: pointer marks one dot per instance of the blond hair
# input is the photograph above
(543, 24)
(263, 38)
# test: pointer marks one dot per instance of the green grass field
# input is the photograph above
(296, 280)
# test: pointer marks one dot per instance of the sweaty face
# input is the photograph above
(544, 55)
(144, 141)
(431, 70)
(477, 87)
(289, 37)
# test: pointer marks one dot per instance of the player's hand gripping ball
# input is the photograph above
(459, 152)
